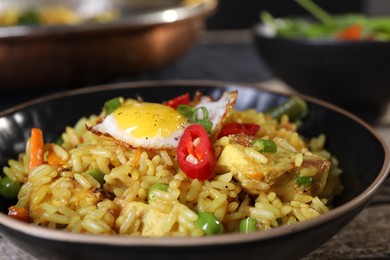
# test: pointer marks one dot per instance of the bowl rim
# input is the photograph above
(216, 240)
(201, 8)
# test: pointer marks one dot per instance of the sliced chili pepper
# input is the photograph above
(237, 128)
(195, 153)
(179, 100)
(352, 33)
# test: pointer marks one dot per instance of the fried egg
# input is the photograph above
(157, 126)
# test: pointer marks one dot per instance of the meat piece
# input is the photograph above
(152, 219)
(274, 171)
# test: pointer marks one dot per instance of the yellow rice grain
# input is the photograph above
(194, 190)
(82, 181)
(60, 152)
(128, 221)
(40, 194)
(102, 164)
(298, 160)
(256, 156)
(120, 155)
(266, 206)
(303, 198)
(95, 227)
(67, 211)
(49, 208)
(222, 185)
(56, 218)
(259, 213)
(166, 158)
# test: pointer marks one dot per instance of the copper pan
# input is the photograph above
(145, 37)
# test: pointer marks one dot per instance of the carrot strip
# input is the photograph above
(352, 33)
(18, 213)
(36, 148)
(53, 159)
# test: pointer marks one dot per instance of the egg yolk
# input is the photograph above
(145, 120)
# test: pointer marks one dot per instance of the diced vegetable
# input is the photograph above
(53, 159)
(265, 145)
(237, 128)
(195, 153)
(248, 225)
(36, 148)
(180, 100)
(18, 213)
(209, 223)
(97, 175)
(29, 17)
(156, 186)
(8, 188)
(304, 180)
(111, 105)
(351, 33)
(60, 140)
(295, 107)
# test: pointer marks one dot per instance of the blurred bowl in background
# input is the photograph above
(141, 36)
(351, 74)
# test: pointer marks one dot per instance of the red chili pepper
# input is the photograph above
(352, 33)
(237, 128)
(195, 153)
(179, 100)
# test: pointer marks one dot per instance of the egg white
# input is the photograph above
(217, 110)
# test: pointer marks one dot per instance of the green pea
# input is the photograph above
(9, 189)
(209, 223)
(248, 225)
(156, 186)
(97, 175)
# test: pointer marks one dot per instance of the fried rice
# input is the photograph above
(67, 197)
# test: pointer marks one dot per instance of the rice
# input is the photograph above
(68, 198)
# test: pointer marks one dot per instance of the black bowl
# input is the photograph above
(350, 74)
(362, 154)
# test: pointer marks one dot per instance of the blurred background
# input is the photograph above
(223, 50)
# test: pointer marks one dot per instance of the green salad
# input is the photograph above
(351, 26)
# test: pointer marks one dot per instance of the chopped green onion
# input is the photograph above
(97, 175)
(60, 140)
(156, 186)
(248, 225)
(295, 107)
(316, 11)
(265, 145)
(207, 125)
(204, 111)
(304, 180)
(192, 115)
(111, 105)
(186, 110)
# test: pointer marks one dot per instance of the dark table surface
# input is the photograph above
(231, 57)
